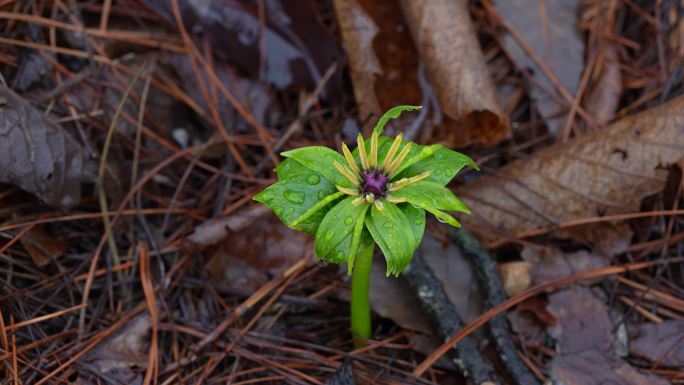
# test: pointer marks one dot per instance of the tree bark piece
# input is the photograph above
(448, 322)
(494, 294)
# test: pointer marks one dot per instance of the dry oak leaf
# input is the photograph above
(606, 172)
(447, 42)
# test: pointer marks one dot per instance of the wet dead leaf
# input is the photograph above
(662, 343)
(549, 263)
(446, 39)
(582, 322)
(597, 368)
(603, 173)
(550, 28)
(37, 155)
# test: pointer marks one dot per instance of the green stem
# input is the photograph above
(360, 305)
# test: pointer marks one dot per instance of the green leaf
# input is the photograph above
(428, 194)
(320, 159)
(299, 195)
(393, 232)
(392, 113)
(339, 234)
(415, 216)
(443, 162)
(433, 197)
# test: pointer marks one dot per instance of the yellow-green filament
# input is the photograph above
(392, 168)
(393, 149)
(346, 172)
(362, 152)
(348, 191)
(407, 181)
(350, 159)
(374, 151)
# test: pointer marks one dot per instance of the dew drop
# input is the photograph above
(437, 172)
(419, 221)
(329, 235)
(291, 209)
(388, 225)
(278, 210)
(313, 179)
(294, 196)
(340, 256)
(348, 221)
(321, 195)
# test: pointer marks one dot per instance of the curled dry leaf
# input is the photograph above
(37, 155)
(550, 29)
(603, 173)
(358, 31)
(605, 87)
(454, 62)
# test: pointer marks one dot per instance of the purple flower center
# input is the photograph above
(374, 182)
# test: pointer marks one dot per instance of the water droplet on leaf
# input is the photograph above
(294, 196)
(348, 220)
(322, 194)
(313, 179)
(388, 225)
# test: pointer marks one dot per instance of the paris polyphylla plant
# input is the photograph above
(377, 194)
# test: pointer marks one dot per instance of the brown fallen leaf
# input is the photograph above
(592, 367)
(456, 67)
(549, 263)
(582, 322)
(122, 355)
(602, 173)
(215, 230)
(550, 29)
(659, 343)
(42, 247)
(37, 155)
(255, 247)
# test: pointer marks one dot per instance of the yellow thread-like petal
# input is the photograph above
(392, 168)
(374, 151)
(346, 172)
(358, 201)
(362, 152)
(403, 182)
(393, 149)
(350, 159)
(379, 205)
(369, 198)
(394, 199)
(348, 191)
